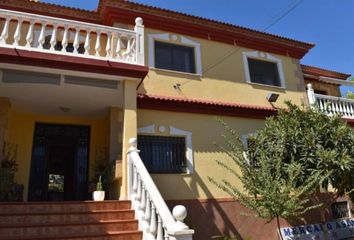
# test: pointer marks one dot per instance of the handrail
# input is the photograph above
(88, 40)
(331, 105)
(155, 219)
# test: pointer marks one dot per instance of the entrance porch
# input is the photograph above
(61, 126)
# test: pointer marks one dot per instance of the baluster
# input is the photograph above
(41, 38)
(17, 36)
(132, 54)
(159, 228)
(147, 214)
(336, 107)
(351, 109)
(128, 48)
(64, 42)
(87, 42)
(321, 106)
(138, 194)
(143, 199)
(153, 223)
(98, 44)
(53, 39)
(340, 107)
(108, 45)
(345, 109)
(5, 31)
(135, 180)
(119, 45)
(29, 37)
(76, 43)
(165, 233)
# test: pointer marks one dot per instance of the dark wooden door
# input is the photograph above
(59, 166)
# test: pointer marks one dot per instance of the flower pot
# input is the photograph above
(98, 195)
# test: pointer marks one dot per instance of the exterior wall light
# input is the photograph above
(272, 97)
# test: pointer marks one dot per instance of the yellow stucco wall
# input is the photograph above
(205, 130)
(225, 81)
(21, 130)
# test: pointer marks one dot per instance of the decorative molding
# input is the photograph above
(265, 57)
(172, 131)
(175, 39)
(147, 129)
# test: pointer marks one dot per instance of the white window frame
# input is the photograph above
(171, 131)
(177, 40)
(263, 57)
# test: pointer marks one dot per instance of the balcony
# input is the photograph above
(331, 105)
(32, 32)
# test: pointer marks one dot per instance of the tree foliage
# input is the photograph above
(297, 152)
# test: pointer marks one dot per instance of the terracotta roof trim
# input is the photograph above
(206, 102)
(205, 19)
(324, 72)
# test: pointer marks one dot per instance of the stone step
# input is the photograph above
(109, 235)
(20, 219)
(64, 207)
(68, 230)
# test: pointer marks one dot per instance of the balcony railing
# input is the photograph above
(34, 32)
(331, 105)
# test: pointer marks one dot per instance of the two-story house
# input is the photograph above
(77, 87)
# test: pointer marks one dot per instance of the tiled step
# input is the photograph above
(19, 219)
(69, 228)
(64, 207)
(112, 235)
(87, 220)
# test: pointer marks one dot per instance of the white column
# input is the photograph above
(311, 95)
(139, 29)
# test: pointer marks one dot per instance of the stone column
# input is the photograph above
(129, 130)
(115, 133)
(4, 119)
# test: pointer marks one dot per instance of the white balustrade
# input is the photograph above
(34, 32)
(155, 219)
(331, 105)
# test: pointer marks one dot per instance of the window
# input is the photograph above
(263, 72)
(174, 57)
(163, 154)
(174, 52)
(263, 68)
(340, 209)
(166, 149)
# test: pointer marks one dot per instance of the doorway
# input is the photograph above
(59, 165)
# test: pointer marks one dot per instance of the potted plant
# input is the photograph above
(99, 194)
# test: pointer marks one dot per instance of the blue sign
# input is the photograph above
(338, 230)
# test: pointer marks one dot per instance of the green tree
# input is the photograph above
(298, 152)
(350, 95)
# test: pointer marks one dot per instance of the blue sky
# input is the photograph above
(327, 23)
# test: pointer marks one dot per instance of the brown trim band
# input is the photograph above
(39, 59)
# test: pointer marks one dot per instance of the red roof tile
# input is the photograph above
(320, 72)
(203, 106)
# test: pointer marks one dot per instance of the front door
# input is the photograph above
(59, 166)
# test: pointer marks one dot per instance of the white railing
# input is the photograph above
(331, 105)
(155, 219)
(66, 37)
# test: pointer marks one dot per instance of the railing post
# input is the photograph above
(311, 95)
(139, 30)
(133, 148)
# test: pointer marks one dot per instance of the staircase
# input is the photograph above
(108, 220)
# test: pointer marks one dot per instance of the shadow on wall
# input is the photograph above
(227, 217)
